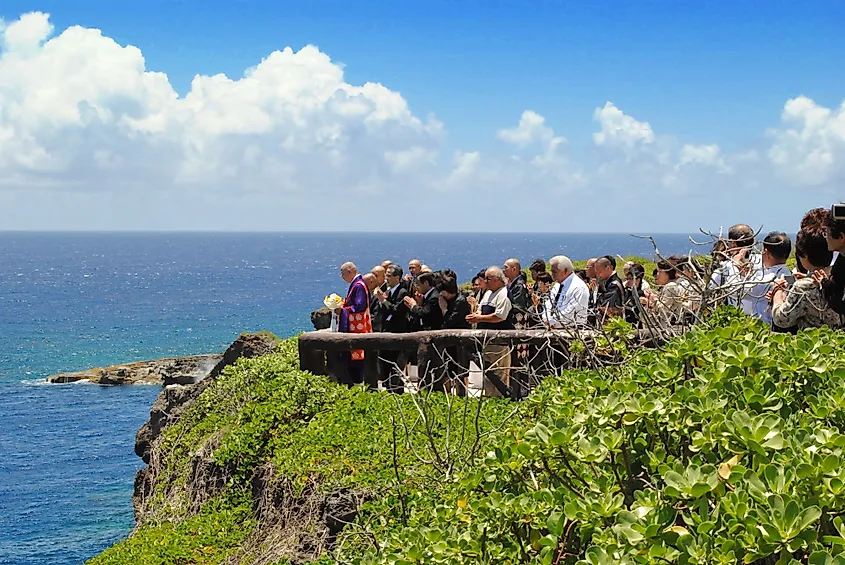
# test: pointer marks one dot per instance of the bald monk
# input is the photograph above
(371, 280)
(354, 317)
(380, 274)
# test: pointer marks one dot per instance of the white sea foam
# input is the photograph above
(35, 382)
(45, 382)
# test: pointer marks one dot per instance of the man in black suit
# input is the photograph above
(425, 315)
(394, 314)
(611, 301)
(392, 302)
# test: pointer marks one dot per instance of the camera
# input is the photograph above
(837, 212)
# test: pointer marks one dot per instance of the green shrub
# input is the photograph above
(207, 538)
(724, 447)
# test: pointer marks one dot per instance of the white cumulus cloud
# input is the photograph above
(92, 138)
(79, 109)
(809, 148)
(618, 129)
(531, 128)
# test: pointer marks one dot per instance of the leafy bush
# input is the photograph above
(725, 447)
(205, 539)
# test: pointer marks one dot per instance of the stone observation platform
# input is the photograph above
(441, 354)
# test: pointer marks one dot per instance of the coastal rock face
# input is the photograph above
(248, 346)
(322, 318)
(178, 370)
(175, 398)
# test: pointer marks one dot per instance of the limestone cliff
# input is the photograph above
(175, 398)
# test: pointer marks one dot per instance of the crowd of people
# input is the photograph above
(739, 271)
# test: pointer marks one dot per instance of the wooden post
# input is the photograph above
(463, 357)
(430, 367)
(371, 369)
(312, 359)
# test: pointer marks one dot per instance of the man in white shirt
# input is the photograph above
(494, 314)
(739, 272)
(776, 250)
(569, 300)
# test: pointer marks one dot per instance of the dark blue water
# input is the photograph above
(69, 302)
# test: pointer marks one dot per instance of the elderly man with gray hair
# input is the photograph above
(569, 299)
(494, 314)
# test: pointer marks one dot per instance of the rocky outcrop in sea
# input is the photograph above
(173, 370)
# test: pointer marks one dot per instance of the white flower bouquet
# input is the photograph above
(333, 302)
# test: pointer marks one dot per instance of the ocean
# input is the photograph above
(74, 301)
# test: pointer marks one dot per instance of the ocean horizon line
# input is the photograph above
(333, 232)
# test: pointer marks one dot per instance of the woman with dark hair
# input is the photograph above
(454, 306)
(672, 302)
(718, 253)
(455, 311)
(537, 267)
(635, 289)
(479, 286)
(802, 304)
(691, 275)
(448, 273)
(540, 296)
(817, 217)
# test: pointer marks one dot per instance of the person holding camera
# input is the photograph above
(803, 304)
(833, 287)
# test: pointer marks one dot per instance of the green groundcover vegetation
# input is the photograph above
(725, 446)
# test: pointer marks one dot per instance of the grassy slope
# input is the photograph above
(314, 432)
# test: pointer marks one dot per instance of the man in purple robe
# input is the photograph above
(354, 317)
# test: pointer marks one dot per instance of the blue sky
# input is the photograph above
(699, 72)
(709, 71)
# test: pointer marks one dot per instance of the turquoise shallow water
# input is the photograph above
(73, 301)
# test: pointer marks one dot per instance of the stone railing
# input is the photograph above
(439, 354)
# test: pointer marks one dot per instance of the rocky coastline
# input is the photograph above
(183, 379)
(175, 398)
